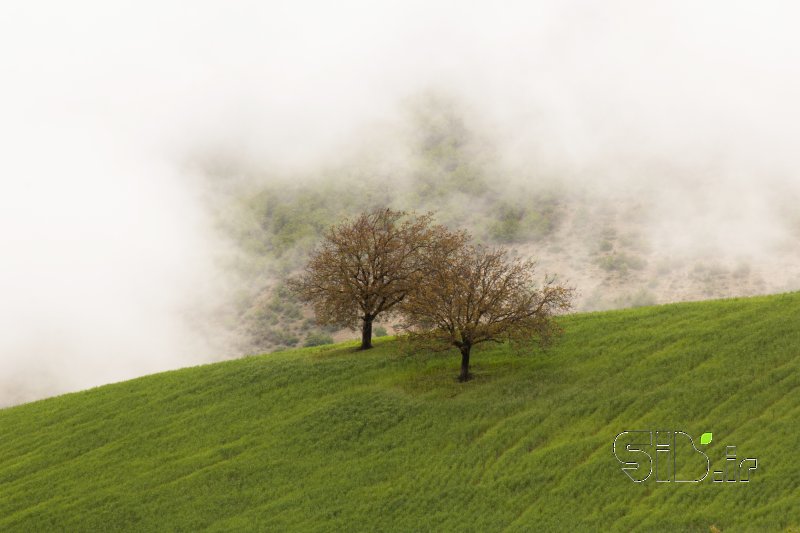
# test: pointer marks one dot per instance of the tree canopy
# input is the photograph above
(474, 295)
(367, 265)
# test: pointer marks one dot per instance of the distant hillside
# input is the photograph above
(327, 438)
(619, 245)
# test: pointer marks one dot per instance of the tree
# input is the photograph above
(476, 295)
(366, 266)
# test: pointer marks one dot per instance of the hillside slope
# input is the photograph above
(329, 439)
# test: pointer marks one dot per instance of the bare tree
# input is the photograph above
(475, 295)
(366, 266)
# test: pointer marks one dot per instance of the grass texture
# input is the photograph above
(329, 438)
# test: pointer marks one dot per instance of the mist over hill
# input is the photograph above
(654, 237)
(164, 169)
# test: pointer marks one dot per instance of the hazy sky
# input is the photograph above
(104, 239)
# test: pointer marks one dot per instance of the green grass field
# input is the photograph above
(327, 438)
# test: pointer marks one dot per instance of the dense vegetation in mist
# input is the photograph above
(440, 156)
(445, 168)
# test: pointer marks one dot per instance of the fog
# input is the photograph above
(111, 266)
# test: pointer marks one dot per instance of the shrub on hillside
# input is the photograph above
(318, 338)
(523, 222)
(621, 263)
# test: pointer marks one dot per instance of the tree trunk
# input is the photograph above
(366, 333)
(464, 376)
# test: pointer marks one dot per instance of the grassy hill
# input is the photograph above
(327, 438)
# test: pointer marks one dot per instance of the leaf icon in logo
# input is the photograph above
(705, 438)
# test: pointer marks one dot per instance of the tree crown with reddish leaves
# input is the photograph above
(366, 266)
(477, 295)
